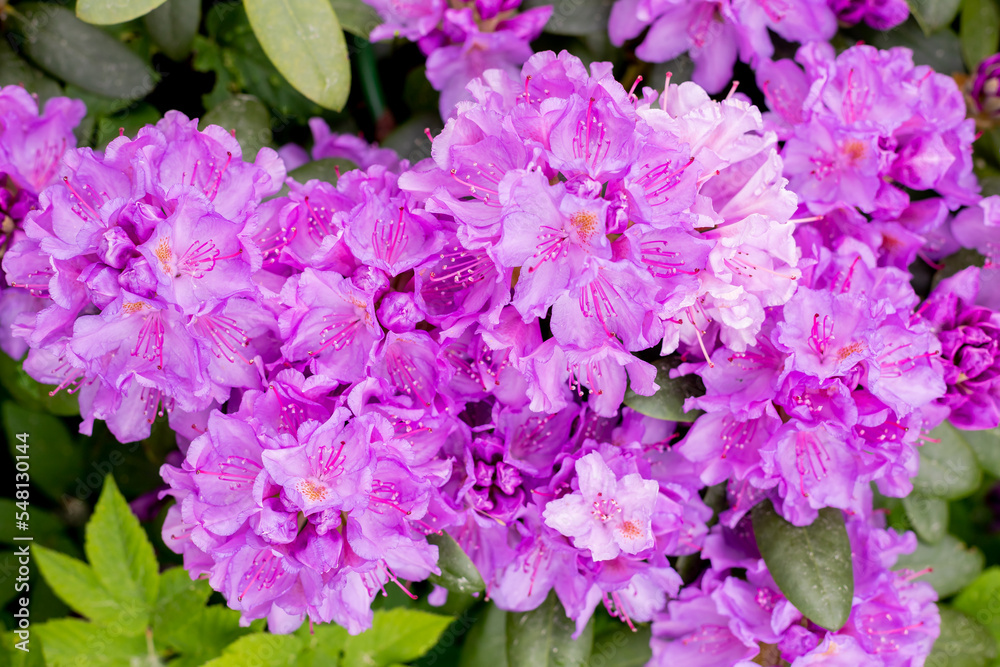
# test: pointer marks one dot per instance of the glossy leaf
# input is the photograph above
(811, 564)
(948, 466)
(621, 647)
(979, 31)
(543, 637)
(458, 573)
(934, 14)
(326, 170)
(248, 118)
(356, 16)
(962, 643)
(952, 564)
(173, 25)
(304, 41)
(668, 401)
(71, 50)
(486, 643)
(986, 446)
(397, 635)
(109, 12)
(575, 18)
(928, 516)
(941, 50)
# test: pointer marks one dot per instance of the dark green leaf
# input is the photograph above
(979, 31)
(260, 650)
(77, 585)
(325, 170)
(55, 458)
(986, 446)
(928, 516)
(16, 71)
(397, 635)
(304, 41)
(109, 12)
(941, 50)
(486, 643)
(30, 393)
(621, 647)
(811, 564)
(248, 117)
(948, 467)
(954, 263)
(668, 401)
(66, 47)
(410, 139)
(173, 25)
(962, 643)
(543, 637)
(934, 14)
(458, 573)
(356, 17)
(952, 564)
(980, 600)
(70, 641)
(43, 525)
(128, 122)
(574, 18)
(121, 554)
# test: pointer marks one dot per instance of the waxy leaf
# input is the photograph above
(928, 516)
(952, 565)
(811, 564)
(458, 573)
(109, 12)
(962, 643)
(948, 466)
(543, 637)
(668, 401)
(173, 25)
(986, 445)
(575, 18)
(78, 53)
(486, 643)
(304, 41)
(934, 14)
(979, 31)
(247, 118)
(325, 170)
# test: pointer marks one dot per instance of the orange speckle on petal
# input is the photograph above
(630, 530)
(854, 348)
(312, 491)
(585, 223)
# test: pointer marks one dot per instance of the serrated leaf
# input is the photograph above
(109, 12)
(576, 18)
(980, 600)
(70, 642)
(396, 635)
(986, 446)
(180, 599)
(121, 554)
(811, 564)
(543, 637)
(979, 31)
(486, 643)
(247, 117)
(55, 458)
(948, 466)
(668, 401)
(260, 650)
(962, 643)
(304, 41)
(458, 573)
(206, 633)
(24, 389)
(77, 585)
(173, 25)
(66, 47)
(356, 17)
(934, 14)
(953, 565)
(928, 516)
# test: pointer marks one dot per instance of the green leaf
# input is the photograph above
(128, 122)
(16, 71)
(70, 641)
(928, 516)
(953, 565)
(396, 635)
(15, 657)
(668, 401)
(43, 525)
(356, 17)
(76, 584)
(248, 117)
(22, 387)
(941, 50)
(260, 650)
(980, 600)
(962, 643)
(55, 458)
(979, 31)
(109, 12)
(955, 262)
(934, 14)
(458, 573)
(486, 643)
(811, 564)
(543, 637)
(304, 41)
(948, 467)
(179, 603)
(622, 648)
(78, 53)
(121, 554)
(324, 645)
(576, 18)
(986, 446)
(323, 170)
(173, 25)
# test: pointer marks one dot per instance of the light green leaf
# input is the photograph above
(15, 657)
(486, 643)
(934, 14)
(78, 53)
(260, 650)
(55, 458)
(986, 446)
(948, 467)
(543, 637)
(356, 17)
(76, 584)
(109, 12)
(811, 564)
(928, 516)
(980, 600)
(576, 18)
(121, 554)
(324, 645)
(396, 635)
(979, 31)
(304, 41)
(173, 25)
(178, 603)
(962, 643)
(458, 573)
(205, 633)
(248, 117)
(953, 565)
(71, 642)
(668, 401)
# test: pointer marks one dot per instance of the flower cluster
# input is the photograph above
(462, 39)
